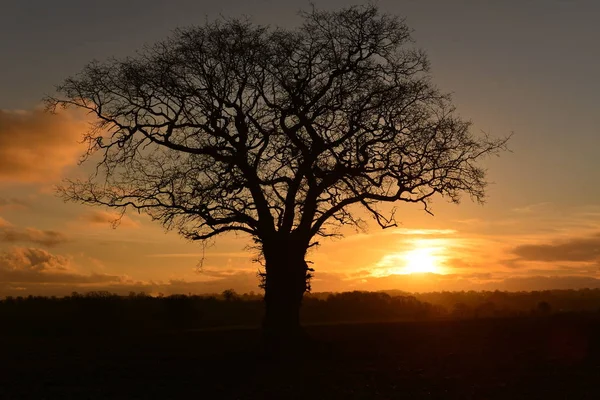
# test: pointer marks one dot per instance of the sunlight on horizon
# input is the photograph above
(426, 256)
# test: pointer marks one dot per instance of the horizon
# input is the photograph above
(539, 229)
(253, 294)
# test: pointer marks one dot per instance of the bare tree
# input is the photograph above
(277, 133)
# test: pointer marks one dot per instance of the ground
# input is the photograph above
(519, 358)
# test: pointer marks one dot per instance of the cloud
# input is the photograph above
(532, 283)
(399, 231)
(425, 282)
(532, 208)
(35, 271)
(242, 281)
(36, 146)
(430, 282)
(226, 254)
(419, 232)
(12, 234)
(582, 249)
(98, 217)
(32, 259)
(12, 203)
(22, 265)
(26, 271)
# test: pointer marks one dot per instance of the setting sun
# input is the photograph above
(425, 256)
(422, 260)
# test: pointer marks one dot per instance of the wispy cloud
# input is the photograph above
(421, 232)
(12, 203)
(532, 208)
(232, 254)
(107, 218)
(431, 282)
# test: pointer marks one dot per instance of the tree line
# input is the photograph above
(103, 312)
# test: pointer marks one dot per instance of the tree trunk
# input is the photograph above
(285, 284)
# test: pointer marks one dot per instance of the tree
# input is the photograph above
(544, 308)
(230, 295)
(281, 134)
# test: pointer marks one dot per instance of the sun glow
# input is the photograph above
(422, 260)
(426, 256)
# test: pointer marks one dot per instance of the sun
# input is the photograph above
(422, 260)
(425, 256)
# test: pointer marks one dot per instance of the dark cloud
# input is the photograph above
(35, 146)
(12, 234)
(585, 249)
(532, 283)
(586, 270)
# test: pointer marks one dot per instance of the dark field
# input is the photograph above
(503, 358)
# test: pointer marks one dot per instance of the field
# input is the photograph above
(503, 358)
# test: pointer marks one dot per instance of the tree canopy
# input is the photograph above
(237, 127)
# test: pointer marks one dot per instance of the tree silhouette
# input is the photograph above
(544, 307)
(281, 134)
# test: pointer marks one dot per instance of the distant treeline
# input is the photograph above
(103, 312)
(497, 303)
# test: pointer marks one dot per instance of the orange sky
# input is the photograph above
(49, 247)
(539, 229)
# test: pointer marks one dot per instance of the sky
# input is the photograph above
(526, 67)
